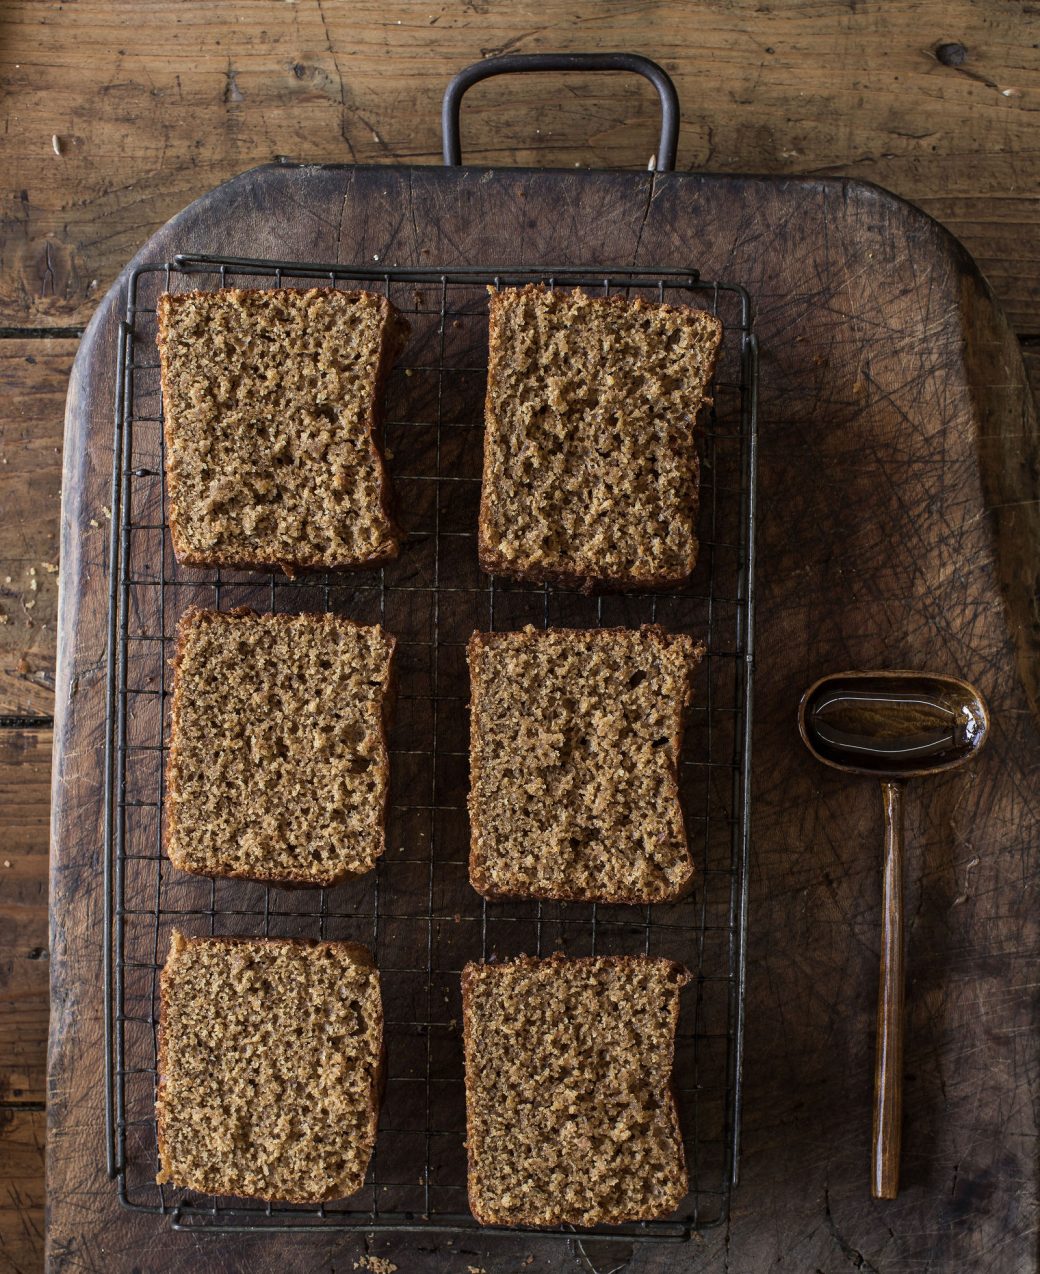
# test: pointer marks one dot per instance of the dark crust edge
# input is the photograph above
(681, 977)
(492, 562)
(357, 951)
(296, 880)
(395, 333)
(477, 874)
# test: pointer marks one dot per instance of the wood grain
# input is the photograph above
(1031, 366)
(885, 367)
(23, 1137)
(119, 113)
(33, 380)
(25, 770)
(25, 782)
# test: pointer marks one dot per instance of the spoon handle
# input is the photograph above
(888, 1072)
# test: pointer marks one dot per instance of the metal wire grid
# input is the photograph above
(416, 910)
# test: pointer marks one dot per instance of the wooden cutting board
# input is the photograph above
(898, 528)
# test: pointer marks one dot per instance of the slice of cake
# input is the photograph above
(590, 464)
(575, 737)
(272, 407)
(278, 768)
(270, 1052)
(570, 1113)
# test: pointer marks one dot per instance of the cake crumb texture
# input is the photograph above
(571, 1118)
(272, 405)
(278, 768)
(575, 738)
(590, 462)
(269, 1065)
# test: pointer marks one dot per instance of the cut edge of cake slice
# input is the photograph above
(394, 336)
(195, 615)
(493, 1211)
(693, 652)
(493, 559)
(181, 947)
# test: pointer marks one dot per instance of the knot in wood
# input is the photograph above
(951, 54)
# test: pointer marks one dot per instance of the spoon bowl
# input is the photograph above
(891, 726)
(894, 725)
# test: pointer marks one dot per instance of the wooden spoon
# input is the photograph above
(893, 726)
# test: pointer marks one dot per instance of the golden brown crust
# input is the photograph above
(285, 880)
(486, 1213)
(477, 865)
(396, 331)
(494, 562)
(180, 942)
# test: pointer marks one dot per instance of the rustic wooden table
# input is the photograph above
(117, 115)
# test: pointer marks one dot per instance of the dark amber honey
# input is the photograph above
(893, 724)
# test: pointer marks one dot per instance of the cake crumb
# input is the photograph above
(304, 744)
(591, 404)
(376, 1264)
(258, 1024)
(575, 743)
(570, 1115)
(290, 474)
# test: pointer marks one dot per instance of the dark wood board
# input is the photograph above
(888, 374)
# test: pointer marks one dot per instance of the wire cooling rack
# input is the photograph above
(416, 911)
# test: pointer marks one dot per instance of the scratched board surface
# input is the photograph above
(886, 374)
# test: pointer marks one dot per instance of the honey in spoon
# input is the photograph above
(895, 724)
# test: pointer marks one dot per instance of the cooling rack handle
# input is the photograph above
(520, 63)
